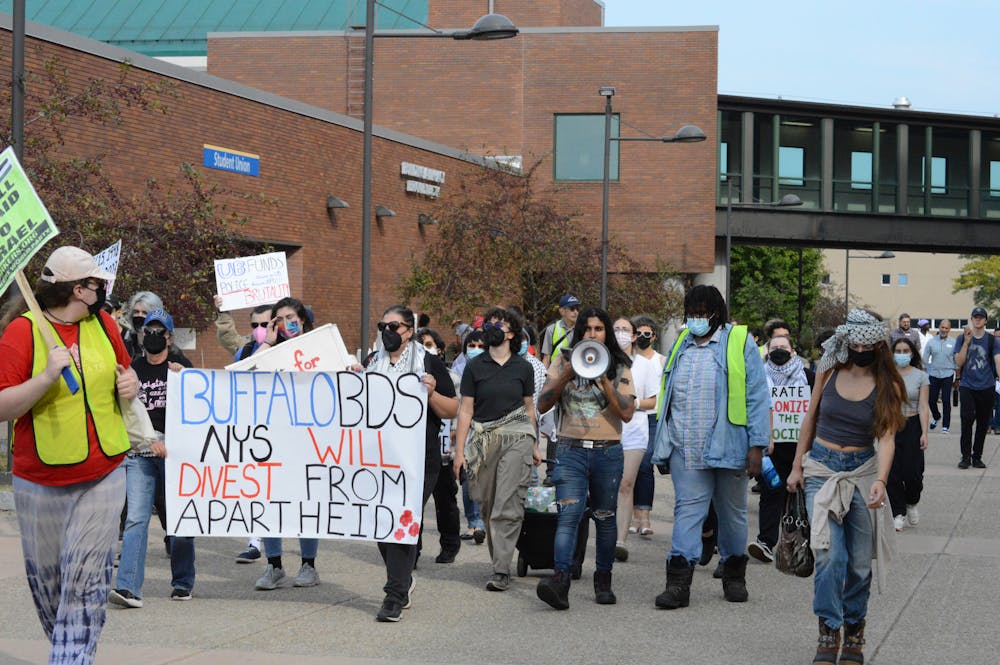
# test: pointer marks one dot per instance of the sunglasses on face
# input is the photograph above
(498, 325)
(154, 331)
(648, 334)
(258, 324)
(394, 326)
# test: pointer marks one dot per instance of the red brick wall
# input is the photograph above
(524, 13)
(303, 159)
(501, 98)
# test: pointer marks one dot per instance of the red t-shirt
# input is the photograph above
(15, 368)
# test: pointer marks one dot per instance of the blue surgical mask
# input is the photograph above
(524, 348)
(698, 327)
(472, 353)
(902, 359)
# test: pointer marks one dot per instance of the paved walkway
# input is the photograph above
(940, 605)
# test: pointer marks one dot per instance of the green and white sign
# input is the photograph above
(25, 224)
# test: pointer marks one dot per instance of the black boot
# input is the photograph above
(828, 646)
(678, 591)
(854, 639)
(709, 540)
(602, 588)
(555, 590)
(734, 579)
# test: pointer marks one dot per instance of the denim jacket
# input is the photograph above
(728, 444)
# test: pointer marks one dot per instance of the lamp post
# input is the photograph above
(847, 274)
(488, 27)
(686, 134)
(788, 200)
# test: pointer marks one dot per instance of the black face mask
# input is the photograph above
(101, 295)
(861, 358)
(154, 343)
(643, 342)
(391, 340)
(137, 322)
(780, 356)
(494, 337)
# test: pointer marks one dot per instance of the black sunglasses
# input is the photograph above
(490, 325)
(154, 331)
(394, 326)
(257, 324)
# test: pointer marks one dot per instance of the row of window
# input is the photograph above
(902, 279)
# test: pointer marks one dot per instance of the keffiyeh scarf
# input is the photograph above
(860, 328)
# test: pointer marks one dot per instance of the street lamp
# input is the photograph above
(686, 134)
(847, 274)
(788, 200)
(488, 27)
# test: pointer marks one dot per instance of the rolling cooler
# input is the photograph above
(536, 543)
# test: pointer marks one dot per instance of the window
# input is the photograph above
(579, 147)
(723, 160)
(791, 165)
(825, 279)
(904, 279)
(861, 170)
(994, 178)
(939, 171)
(886, 279)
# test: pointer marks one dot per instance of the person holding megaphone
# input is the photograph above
(593, 391)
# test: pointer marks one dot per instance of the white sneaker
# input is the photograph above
(944, 430)
(912, 515)
(933, 424)
(900, 522)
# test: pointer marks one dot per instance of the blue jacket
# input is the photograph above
(728, 444)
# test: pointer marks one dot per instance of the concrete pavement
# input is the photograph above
(939, 605)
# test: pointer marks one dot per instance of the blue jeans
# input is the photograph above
(308, 547)
(843, 577)
(143, 475)
(642, 491)
(694, 490)
(473, 518)
(577, 471)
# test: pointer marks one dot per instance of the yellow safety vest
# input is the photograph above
(736, 374)
(563, 341)
(59, 418)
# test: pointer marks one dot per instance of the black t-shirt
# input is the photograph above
(497, 389)
(153, 386)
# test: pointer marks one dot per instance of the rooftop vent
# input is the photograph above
(901, 103)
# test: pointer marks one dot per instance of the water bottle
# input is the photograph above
(769, 473)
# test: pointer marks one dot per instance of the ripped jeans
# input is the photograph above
(577, 471)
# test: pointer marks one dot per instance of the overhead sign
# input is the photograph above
(319, 350)
(295, 454)
(252, 280)
(789, 405)
(25, 224)
(225, 159)
(108, 260)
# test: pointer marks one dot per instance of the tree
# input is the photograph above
(506, 244)
(765, 283)
(171, 232)
(981, 273)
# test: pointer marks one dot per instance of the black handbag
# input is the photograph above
(792, 554)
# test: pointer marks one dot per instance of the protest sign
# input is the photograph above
(319, 350)
(252, 280)
(789, 405)
(108, 260)
(25, 224)
(295, 454)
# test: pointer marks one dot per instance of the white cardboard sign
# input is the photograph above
(295, 454)
(252, 280)
(319, 350)
(108, 260)
(788, 405)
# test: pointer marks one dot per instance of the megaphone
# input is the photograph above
(590, 359)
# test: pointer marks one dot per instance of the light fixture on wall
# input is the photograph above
(332, 203)
(423, 219)
(383, 211)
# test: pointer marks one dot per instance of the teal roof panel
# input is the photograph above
(181, 27)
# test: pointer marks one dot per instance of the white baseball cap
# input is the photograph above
(71, 264)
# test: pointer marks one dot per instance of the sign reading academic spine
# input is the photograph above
(25, 224)
(225, 159)
(789, 405)
(295, 454)
(252, 280)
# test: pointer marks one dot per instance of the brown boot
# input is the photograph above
(829, 645)
(854, 639)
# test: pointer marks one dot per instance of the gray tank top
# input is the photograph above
(843, 421)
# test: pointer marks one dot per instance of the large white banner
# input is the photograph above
(310, 454)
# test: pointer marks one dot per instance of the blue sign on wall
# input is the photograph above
(224, 159)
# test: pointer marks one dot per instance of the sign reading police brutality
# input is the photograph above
(25, 224)
(252, 280)
(295, 454)
(789, 405)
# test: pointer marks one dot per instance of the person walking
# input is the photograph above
(472, 346)
(590, 414)
(844, 477)
(906, 479)
(69, 485)
(939, 359)
(905, 330)
(977, 357)
(713, 428)
(498, 412)
(642, 495)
